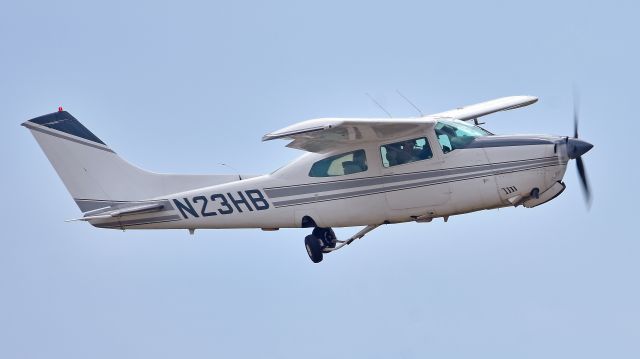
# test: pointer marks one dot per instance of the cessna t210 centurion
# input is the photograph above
(355, 172)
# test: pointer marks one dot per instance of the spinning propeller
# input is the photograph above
(575, 149)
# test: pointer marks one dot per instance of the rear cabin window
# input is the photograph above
(407, 151)
(340, 165)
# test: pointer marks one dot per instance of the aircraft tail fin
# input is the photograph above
(95, 175)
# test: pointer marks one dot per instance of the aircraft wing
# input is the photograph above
(324, 134)
(486, 108)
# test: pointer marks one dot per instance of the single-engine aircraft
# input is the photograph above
(355, 172)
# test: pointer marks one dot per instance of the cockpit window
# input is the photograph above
(339, 165)
(455, 134)
(399, 153)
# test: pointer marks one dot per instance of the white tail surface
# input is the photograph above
(95, 175)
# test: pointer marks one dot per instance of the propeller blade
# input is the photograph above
(578, 148)
(576, 112)
(583, 178)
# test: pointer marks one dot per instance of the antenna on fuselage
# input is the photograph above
(377, 104)
(410, 103)
(228, 166)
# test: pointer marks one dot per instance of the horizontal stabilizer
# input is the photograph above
(126, 211)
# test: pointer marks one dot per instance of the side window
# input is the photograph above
(406, 151)
(339, 165)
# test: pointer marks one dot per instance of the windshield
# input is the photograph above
(454, 134)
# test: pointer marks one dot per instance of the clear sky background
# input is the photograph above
(184, 86)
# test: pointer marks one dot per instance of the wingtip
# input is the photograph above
(525, 98)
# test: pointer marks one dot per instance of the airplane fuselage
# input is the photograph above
(495, 171)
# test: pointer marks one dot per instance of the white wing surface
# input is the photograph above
(486, 108)
(325, 134)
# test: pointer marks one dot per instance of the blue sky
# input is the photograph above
(174, 86)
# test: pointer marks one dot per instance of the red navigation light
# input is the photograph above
(60, 109)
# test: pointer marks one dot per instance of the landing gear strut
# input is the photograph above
(323, 240)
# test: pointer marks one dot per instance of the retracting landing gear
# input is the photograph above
(323, 240)
(318, 242)
(314, 248)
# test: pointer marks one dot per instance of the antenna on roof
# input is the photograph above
(235, 170)
(410, 103)
(377, 104)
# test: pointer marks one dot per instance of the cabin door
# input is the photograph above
(412, 174)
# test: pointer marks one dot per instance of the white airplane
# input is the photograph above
(355, 172)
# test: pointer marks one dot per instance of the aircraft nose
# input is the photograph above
(577, 148)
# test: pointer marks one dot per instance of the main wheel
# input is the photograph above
(326, 235)
(314, 248)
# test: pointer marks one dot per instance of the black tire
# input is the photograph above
(314, 248)
(326, 235)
